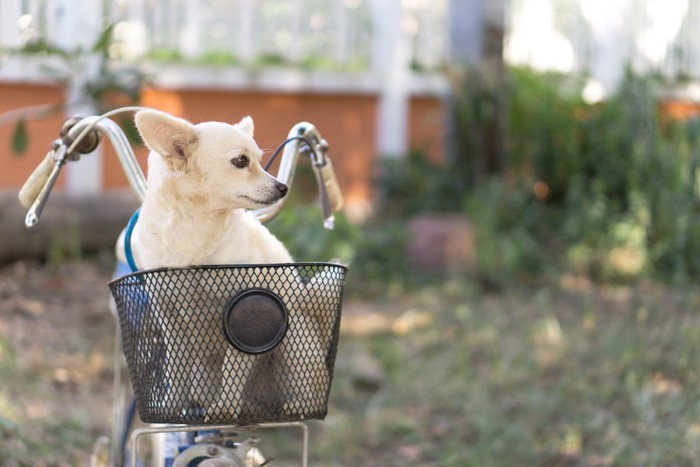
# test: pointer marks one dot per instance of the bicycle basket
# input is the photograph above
(231, 344)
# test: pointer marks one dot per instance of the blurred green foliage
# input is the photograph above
(608, 190)
(301, 230)
(413, 184)
(112, 84)
(374, 251)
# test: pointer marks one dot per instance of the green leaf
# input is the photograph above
(20, 139)
(105, 39)
(43, 46)
(130, 131)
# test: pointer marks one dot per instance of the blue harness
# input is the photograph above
(127, 241)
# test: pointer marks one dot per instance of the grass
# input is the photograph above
(570, 373)
(55, 362)
(565, 372)
(33, 427)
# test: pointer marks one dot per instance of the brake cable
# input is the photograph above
(283, 144)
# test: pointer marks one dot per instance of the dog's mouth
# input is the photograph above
(259, 202)
(264, 197)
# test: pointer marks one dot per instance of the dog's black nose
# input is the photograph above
(282, 188)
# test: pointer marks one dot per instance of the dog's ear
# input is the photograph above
(169, 136)
(246, 124)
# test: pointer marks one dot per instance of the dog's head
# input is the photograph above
(216, 160)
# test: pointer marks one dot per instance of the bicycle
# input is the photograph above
(256, 320)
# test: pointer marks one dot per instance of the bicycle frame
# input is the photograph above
(176, 429)
(303, 138)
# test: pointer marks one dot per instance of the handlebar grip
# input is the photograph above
(335, 195)
(36, 181)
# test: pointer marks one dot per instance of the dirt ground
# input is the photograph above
(567, 372)
(56, 347)
(56, 360)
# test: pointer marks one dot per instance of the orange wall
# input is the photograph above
(679, 109)
(15, 168)
(427, 126)
(347, 121)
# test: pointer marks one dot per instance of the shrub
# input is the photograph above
(609, 190)
(619, 186)
(606, 190)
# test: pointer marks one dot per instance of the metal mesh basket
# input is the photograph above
(231, 344)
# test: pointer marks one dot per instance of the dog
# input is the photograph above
(202, 180)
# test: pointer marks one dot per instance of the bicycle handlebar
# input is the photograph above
(330, 195)
(36, 190)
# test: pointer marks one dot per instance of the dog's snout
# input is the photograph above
(283, 189)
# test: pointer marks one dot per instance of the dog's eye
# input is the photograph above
(240, 161)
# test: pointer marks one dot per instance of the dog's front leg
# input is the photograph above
(208, 350)
(174, 333)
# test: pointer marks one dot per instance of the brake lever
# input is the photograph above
(328, 217)
(330, 196)
(61, 157)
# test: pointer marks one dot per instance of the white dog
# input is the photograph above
(201, 180)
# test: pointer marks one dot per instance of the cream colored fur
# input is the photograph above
(195, 209)
(195, 213)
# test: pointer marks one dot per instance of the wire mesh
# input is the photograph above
(183, 368)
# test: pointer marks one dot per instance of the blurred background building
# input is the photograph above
(372, 74)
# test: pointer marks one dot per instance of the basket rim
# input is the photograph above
(228, 267)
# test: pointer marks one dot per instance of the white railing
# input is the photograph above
(591, 36)
(382, 39)
(600, 37)
(312, 33)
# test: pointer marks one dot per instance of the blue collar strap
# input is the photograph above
(127, 240)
